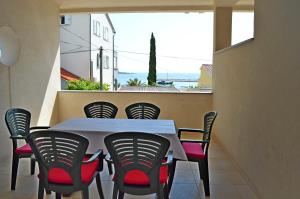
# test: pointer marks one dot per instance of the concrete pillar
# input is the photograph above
(222, 27)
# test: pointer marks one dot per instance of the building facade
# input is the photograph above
(81, 37)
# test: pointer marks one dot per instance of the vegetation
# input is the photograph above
(85, 85)
(134, 82)
(152, 62)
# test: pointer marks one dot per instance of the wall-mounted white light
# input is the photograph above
(9, 46)
(9, 52)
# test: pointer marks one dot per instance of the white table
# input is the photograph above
(95, 130)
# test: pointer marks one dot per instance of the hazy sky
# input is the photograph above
(184, 41)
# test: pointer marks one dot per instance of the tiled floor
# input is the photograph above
(226, 182)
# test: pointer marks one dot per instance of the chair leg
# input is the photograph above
(166, 192)
(110, 170)
(85, 193)
(160, 193)
(57, 195)
(201, 169)
(41, 190)
(14, 172)
(121, 195)
(115, 191)
(99, 186)
(32, 166)
(206, 177)
(171, 175)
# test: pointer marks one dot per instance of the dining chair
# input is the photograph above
(63, 163)
(18, 123)
(101, 109)
(138, 161)
(197, 150)
(142, 110)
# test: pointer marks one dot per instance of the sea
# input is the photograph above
(181, 77)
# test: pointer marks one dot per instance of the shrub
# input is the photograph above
(85, 85)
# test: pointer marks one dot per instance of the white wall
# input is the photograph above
(107, 46)
(73, 38)
(35, 76)
(257, 95)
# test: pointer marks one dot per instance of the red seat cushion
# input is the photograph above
(138, 177)
(25, 149)
(60, 176)
(193, 150)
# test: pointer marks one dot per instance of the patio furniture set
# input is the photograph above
(143, 150)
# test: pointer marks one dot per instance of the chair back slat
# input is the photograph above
(100, 110)
(54, 149)
(209, 119)
(137, 151)
(142, 111)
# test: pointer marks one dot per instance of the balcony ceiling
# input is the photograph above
(149, 5)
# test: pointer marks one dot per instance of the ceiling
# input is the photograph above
(149, 5)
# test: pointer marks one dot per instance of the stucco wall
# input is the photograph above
(257, 95)
(107, 45)
(187, 109)
(75, 45)
(35, 76)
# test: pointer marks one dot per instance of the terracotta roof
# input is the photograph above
(66, 75)
(207, 67)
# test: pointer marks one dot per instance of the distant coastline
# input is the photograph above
(124, 73)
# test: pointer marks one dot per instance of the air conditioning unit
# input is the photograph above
(65, 20)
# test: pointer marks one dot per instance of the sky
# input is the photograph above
(184, 41)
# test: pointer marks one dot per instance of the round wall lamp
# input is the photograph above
(9, 52)
(9, 46)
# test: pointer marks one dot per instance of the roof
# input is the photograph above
(207, 67)
(66, 75)
(100, 6)
(110, 23)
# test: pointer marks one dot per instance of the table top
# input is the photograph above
(117, 125)
(95, 130)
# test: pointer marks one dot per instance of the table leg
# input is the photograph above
(172, 173)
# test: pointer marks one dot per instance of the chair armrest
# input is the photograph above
(96, 155)
(189, 130)
(169, 159)
(18, 137)
(39, 127)
(108, 158)
(195, 141)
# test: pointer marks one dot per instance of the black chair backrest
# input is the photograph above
(137, 150)
(100, 110)
(142, 110)
(55, 149)
(209, 119)
(18, 122)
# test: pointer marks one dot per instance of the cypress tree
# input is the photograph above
(152, 62)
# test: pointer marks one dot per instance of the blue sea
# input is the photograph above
(124, 77)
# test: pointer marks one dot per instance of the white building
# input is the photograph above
(81, 36)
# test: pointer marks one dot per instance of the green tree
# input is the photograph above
(134, 82)
(152, 62)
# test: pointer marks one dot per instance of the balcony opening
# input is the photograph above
(242, 21)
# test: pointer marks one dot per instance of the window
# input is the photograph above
(105, 34)
(106, 62)
(96, 28)
(65, 20)
(98, 61)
